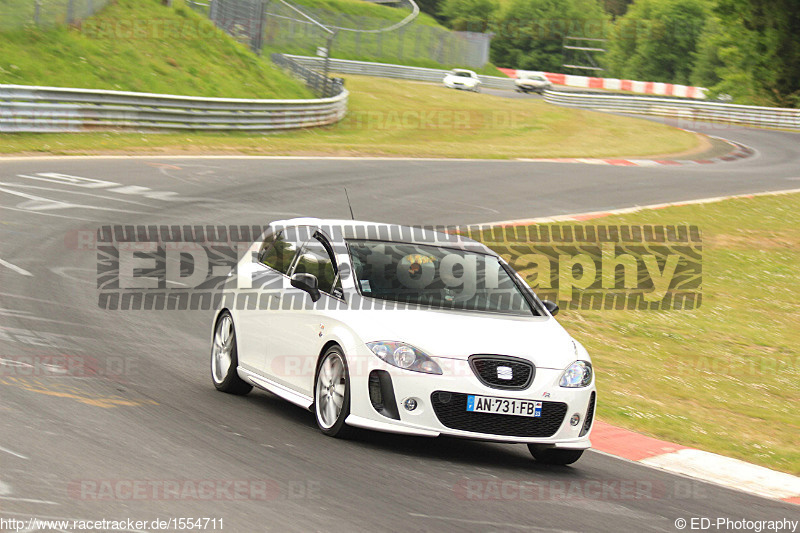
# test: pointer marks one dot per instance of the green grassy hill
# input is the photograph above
(140, 45)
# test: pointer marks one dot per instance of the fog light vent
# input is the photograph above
(375, 395)
(381, 394)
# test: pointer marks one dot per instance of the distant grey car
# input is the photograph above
(529, 82)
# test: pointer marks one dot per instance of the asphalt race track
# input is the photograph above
(162, 421)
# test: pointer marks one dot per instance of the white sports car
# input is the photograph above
(532, 82)
(405, 330)
(462, 79)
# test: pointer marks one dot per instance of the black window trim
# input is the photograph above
(290, 270)
(323, 240)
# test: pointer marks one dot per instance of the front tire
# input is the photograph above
(332, 393)
(225, 359)
(554, 456)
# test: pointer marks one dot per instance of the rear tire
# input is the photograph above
(554, 456)
(224, 358)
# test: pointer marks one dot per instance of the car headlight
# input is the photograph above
(404, 356)
(578, 374)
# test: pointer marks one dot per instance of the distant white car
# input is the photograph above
(532, 82)
(403, 330)
(462, 79)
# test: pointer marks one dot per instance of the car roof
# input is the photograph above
(380, 231)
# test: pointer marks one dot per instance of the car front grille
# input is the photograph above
(520, 371)
(451, 410)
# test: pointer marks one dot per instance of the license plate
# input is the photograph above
(503, 406)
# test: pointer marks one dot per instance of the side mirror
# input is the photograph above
(551, 307)
(308, 283)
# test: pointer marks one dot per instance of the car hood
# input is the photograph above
(457, 335)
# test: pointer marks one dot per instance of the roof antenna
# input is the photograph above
(348, 204)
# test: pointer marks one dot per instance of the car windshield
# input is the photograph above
(462, 74)
(434, 276)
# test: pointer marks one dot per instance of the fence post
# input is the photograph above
(257, 37)
(36, 12)
(401, 37)
(70, 11)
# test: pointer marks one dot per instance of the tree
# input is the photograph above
(758, 51)
(616, 8)
(713, 43)
(430, 7)
(530, 34)
(657, 40)
(468, 15)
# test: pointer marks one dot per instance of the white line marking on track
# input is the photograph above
(27, 315)
(15, 454)
(626, 210)
(49, 302)
(28, 500)
(728, 472)
(493, 523)
(54, 189)
(49, 214)
(40, 203)
(15, 268)
(239, 156)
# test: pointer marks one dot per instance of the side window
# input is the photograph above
(279, 253)
(315, 259)
(269, 240)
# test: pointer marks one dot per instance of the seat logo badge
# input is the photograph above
(505, 372)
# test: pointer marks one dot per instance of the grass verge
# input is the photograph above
(403, 118)
(140, 45)
(724, 377)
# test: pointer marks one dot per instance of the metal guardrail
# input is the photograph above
(52, 109)
(317, 82)
(388, 70)
(694, 110)
(681, 108)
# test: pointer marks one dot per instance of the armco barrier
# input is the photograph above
(614, 84)
(388, 70)
(690, 110)
(682, 108)
(52, 109)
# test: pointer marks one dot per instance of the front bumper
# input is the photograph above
(461, 86)
(432, 418)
